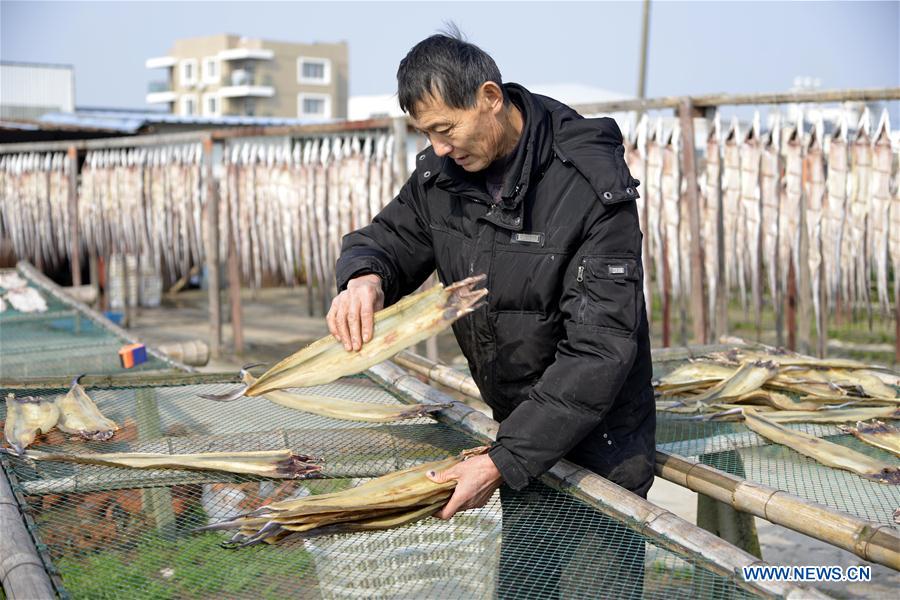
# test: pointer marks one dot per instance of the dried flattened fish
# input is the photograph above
(346, 410)
(692, 376)
(823, 451)
(407, 322)
(834, 415)
(387, 501)
(878, 434)
(750, 377)
(26, 417)
(281, 464)
(78, 415)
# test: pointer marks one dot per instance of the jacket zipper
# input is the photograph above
(580, 279)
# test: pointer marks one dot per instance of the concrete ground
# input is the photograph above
(277, 323)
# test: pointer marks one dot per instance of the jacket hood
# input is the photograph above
(593, 146)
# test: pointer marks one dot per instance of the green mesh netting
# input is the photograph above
(108, 532)
(734, 448)
(61, 341)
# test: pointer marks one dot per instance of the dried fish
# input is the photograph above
(750, 377)
(26, 417)
(731, 209)
(879, 217)
(387, 501)
(814, 193)
(281, 464)
(834, 212)
(749, 231)
(834, 415)
(878, 434)
(346, 410)
(857, 279)
(712, 222)
(654, 203)
(407, 322)
(825, 452)
(26, 300)
(78, 415)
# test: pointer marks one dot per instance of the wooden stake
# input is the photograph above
(74, 249)
(699, 314)
(234, 297)
(212, 251)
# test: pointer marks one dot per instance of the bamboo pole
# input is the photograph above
(871, 541)
(663, 527)
(21, 568)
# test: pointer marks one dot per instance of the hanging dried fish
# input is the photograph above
(671, 210)
(879, 217)
(815, 197)
(858, 199)
(825, 452)
(635, 157)
(834, 217)
(711, 231)
(654, 203)
(749, 231)
(731, 209)
(791, 206)
(770, 195)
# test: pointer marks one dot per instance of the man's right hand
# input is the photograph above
(351, 318)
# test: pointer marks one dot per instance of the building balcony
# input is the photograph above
(245, 83)
(246, 54)
(160, 92)
(239, 91)
(161, 62)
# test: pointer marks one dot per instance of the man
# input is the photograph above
(523, 189)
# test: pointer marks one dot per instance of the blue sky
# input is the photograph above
(695, 47)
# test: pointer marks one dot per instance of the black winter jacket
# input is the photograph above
(561, 352)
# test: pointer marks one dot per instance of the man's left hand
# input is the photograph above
(477, 479)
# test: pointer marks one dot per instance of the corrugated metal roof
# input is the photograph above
(131, 122)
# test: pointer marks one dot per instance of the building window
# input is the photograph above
(188, 71)
(211, 105)
(211, 69)
(313, 70)
(313, 106)
(188, 105)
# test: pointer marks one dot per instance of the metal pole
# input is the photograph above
(699, 315)
(645, 38)
(212, 252)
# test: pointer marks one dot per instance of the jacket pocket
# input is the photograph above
(608, 285)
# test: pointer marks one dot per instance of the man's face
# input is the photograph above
(472, 137)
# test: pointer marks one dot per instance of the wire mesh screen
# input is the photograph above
(60, 341)
(113, 532)
(734, 448)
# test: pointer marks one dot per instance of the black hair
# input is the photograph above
(448, 67)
